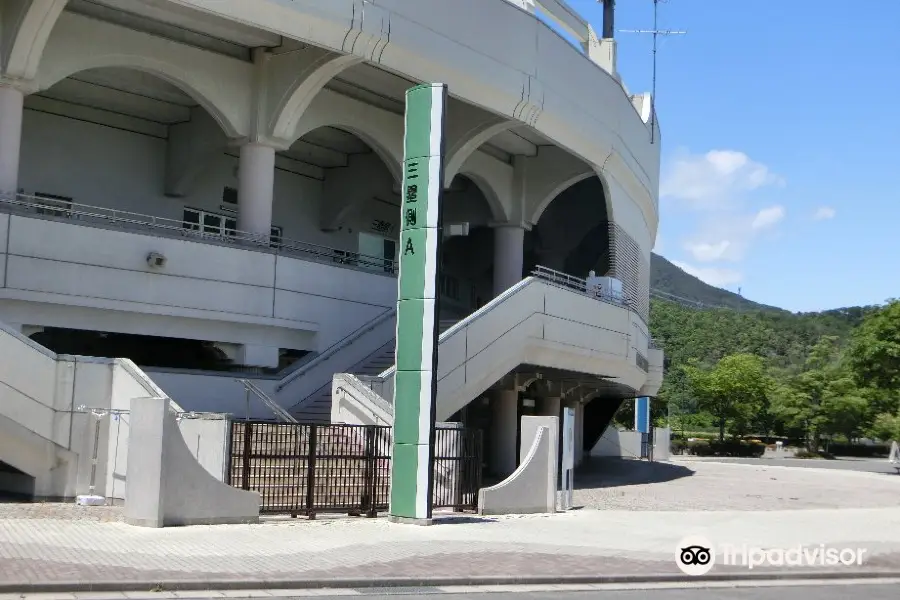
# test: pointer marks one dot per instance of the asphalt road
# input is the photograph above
(819, 591)
(869, 465)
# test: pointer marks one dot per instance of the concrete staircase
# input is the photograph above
(317, 407)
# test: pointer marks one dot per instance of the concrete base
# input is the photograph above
(409, 521)
(166, 485)
(90, 501)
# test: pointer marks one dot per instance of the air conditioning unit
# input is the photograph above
(606, 287)
(156, 260)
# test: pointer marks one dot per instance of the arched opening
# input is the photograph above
(343, 195)
(123, 139)
(573, 233)
(467, 261)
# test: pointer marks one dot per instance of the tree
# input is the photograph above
(732, 391)
(875, 348)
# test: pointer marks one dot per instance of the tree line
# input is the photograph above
(813, 377)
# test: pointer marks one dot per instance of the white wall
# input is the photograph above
(248, 295)
(45, 433)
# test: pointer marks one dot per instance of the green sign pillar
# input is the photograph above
(415, 381)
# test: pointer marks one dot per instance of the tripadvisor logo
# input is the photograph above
(696, 555)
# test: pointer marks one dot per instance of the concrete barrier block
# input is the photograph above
(166, 485)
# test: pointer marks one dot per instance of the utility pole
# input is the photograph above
(656, 32)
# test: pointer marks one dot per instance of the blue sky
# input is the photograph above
(779, 133)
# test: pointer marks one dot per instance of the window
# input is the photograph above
(53, 205)
(207, 222)
(222, 225)
(230, 195)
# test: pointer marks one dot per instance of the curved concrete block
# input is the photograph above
(531, 488)
(166, 485)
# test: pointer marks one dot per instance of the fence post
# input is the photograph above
(368, 499)
(311, 474)
(245, 471)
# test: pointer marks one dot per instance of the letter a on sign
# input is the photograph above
(415, 381)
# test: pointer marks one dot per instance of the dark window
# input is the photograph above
(230, 195)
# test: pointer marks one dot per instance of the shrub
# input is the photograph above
(727, 448)
(678, 446)
(859, 450)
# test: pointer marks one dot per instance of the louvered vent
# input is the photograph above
(629, 266)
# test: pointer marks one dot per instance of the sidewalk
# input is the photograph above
(64, 544)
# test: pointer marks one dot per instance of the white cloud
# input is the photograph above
(768, 217)
(729, 236)
(715, 276)
(708, 252)
(715, 180)
(823, 213)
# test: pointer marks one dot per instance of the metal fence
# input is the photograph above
(457, 468)
(305, 469)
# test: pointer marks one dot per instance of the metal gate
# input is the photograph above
(457, 468)
(305, 469)
(647, 445)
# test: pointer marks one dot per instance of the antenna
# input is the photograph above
(656, 32)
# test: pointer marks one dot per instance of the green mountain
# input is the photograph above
(694, 320)
(668, 280)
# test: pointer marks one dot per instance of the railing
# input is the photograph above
(305, 469)
(276, 408)
(579, 285)
(54, 208)
(335, 348)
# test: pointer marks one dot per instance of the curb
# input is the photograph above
(420, 582)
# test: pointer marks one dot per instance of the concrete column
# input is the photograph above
(504, 432)
(579, 433)
(11, 103)
(508, 256)
(256, 184)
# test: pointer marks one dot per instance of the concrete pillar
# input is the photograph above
(508, 256)
(11, 106)
(251, 355)
(256, 184)
(579, 433)
(504, 432)
(549, 407)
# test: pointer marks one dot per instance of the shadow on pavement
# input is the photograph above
(617, 472)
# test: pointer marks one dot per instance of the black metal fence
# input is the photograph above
(305, 469)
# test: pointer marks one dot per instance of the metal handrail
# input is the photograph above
(337, 346)
(56, 208)
(268, 402)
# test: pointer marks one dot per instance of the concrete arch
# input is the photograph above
(219, 84)
(35, 22)
(469, 144)
(383, 132)
(548, 197)
(169, 73)
(299, 94)
(498, 211)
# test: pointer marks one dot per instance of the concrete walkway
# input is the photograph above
(583, 543)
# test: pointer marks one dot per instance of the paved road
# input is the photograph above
(866, 465)
(832, 590)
